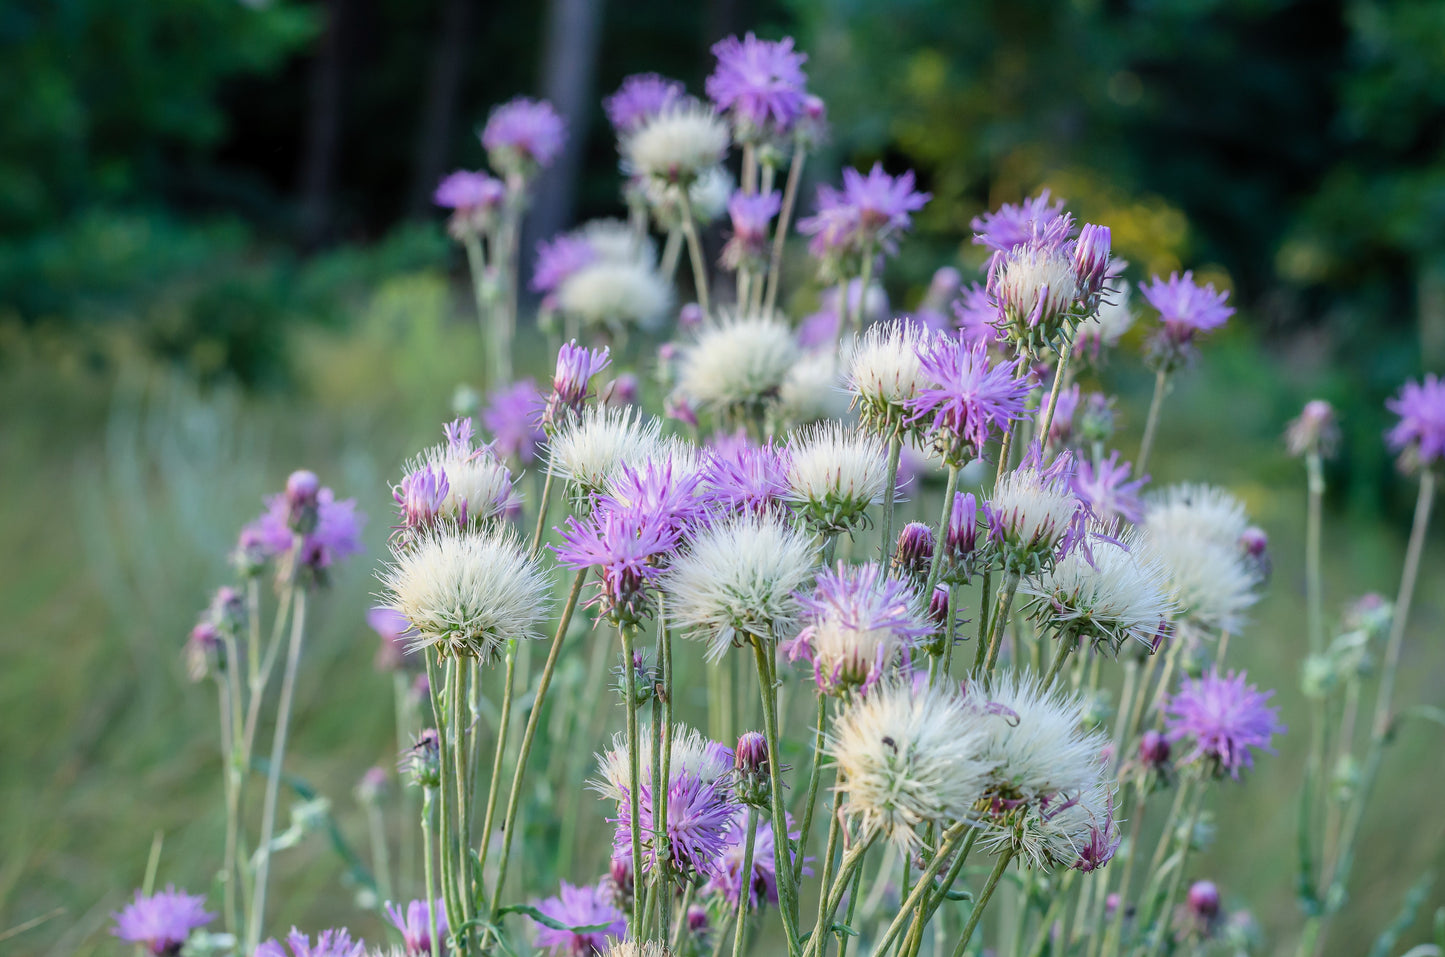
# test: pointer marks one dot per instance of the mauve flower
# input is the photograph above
(726, 874)
(741, 476)
(698, 814)
(468, 191)
(1012, 225)
(1033, 516)
(750, 216)
(513, 417)
(1108, 489)
(965, 401)
(976, 314)
(760, 81)
(668, 490)
(393, 629)
(640, 97)
(1420, 433)
(523, 133)
(576, 365)
(1186, 309)
(415, 925)
(1225, 719)
(559, 258)
(329, 943)
(161, 922)
(624, 544)
(336, 534)
(586, 906)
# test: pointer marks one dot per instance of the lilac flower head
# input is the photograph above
(966, 401)
(1315, 431)
(1092, 262)
(760, 81)
(741, 476)
(665, 489)
(474, 199)
(624, 544)
(1033, 516)
(1420, 434)
(727, 878)
(751, 763)
(329, 943)
(699, 812)
(513, 417)
(336, 533)
(522, 135)
(915, 550)
(1035, 286)
(590, 914)
(1108, 490)
(640, 97)
(415, 924)
(560, 257)
(1104, 839)
(420, 497)
(750, 214)
(576, 365)
(392, 627)
(1185, 310)
(1012, 225)
(976, 314)
(860, 623)
(1203, 900)
(1224, 718)
(1154, 749)
(161, 922)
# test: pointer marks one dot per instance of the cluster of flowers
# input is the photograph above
(734, 520)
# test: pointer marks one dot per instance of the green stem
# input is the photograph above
(890, 492)
(984, 896)
(1067, 640)
(855, 316)
(380, 853)
(634, 775)
(818, 942)
(462, 817)
(815, 778)
(745, 889)
(1047, 422)
(787, 889)
(780, 236)
(1160, 914)
(935, 567)
(924, 887)
(542, 504)
(1161, 384)
(426, 863)
(504, 725)
(1000, 618)
(694, 253)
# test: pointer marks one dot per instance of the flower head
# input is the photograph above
(513, 417)
(1225, 719)
(698, 814)
(616, 294)
(1195, 531)
(1035, 744)
(835, 473)
(1033, 517)
(454, 482)
(1420, 434)
(886, 371)
(1108, 490)
(330, 533)
(523, 135)
(639, 98)
(677, 144)
(590, 450)
(161, 922)
(693, 754)
(976, 315)
(736, 367)
(750, 214)
(624, 543)
(726, 877)
(1315, 431)
(761, 82)
(866, 216)
(588, 915)
(474, 199)
(1186, 309)
(415, 924)
(740, 476)
(329, 943)
(576, 365)
(963, 401)
(1013, 225)
(1036, 288)
(560, 257)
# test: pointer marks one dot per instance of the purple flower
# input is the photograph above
(329, 943)
(1225, 719)
(467, 191)
(640, 97)
(513, 416)
(960, 536)
(698, 815)
(976, 314)
(523, 133)
(1091, 260)
(670, 496)
(746, 477)
(1420, 433)
(560, 257)
(1104, 839)
(1010, 225)
(915, 549)
(750, 215)
(1107, 489)
(1185, 310)
(726, 874)
(624, 544)
(760, 81)
(161, 922)
(966, 400)
(882, 202)
(590, 916)
(335, 535)
(415, 925)
(834, 226)
(576, 365)
(1033, 515)
(420, 496)
(392, 627)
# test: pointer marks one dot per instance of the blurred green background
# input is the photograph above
(217, 263)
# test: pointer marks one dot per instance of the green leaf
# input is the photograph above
(552, 922)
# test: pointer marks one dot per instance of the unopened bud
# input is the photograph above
(915, 550)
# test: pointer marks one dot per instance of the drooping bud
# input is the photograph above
(915, 550)
(938, 607)
(203, 651)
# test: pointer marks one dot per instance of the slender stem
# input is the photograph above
(780, 236)
(445, 837)
(825, 883)
(671, 252)
(855, 316)
(1126, 707)
(1067, 640)
(815, 777)
(694, 253)
(1116, 926)
(1161, 385)
(1041, 933)
(1313, 590)
(787, 889)
(924, 886)
(504, 724)
(984, 896)
(461, 817)
(890, 492)
(1166, 836)
(380, 852)
(818, 942)
(228, 779)
(273, 773)
(681, 927)
(542, 504)
(1160, 914)
(935, 567)
(950, 636)
(1047, 422)
(426, 863)
(745, 882)
(634, 771)
(843, 938)
(1005, 599)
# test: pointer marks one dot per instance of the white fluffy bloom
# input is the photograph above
(836, 472)
(1029, 515)
(467, 592)
(909, 757)
(678, 144)
(884, 369)
(637, 948)
(692, 752)
(590, 449)
(479, 485)
(737, 579)
(709, 194)
(1211, 583)
(613, 240)
(1200, 512)
(1038, 280)
(1124, 593)
(738, 363)
(812, 391)
(1072, 831)
(616, 294)
(1036, 745)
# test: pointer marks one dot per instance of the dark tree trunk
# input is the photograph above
(439, 109)
(323, 129)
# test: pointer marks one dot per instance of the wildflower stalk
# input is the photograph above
(1106, 943)
(504, 724)
(950, 635)
(1046, 424)
(694, 252)
(787, 887)
(634, 775)
(529, 735)
(461, 816)
(671, 251)
(273, 773)
(1046, 922)
(663, 722)
(855, 316)
(1067, 640)
(935, 567)
(655, 904)
(543, 502)
(815, 777)
(426, 863)
(228, 753)
(1161, 910)
(1004, 601)
(1151, 424)
(915, 901)
(746, 877)
(380, 853)
(818, 943)
(890, 493)
(843, 938)
(984, 896)
(780, 236)
(1309, 813)
(825, 884)
(446, 866)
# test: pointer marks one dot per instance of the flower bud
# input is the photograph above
(228, 609)
(690, 316)
(1254, 543)
(915, 550)
(422, 761)
(938, 607)
(1314, 432)
(1203, 900)
(1091, 262)
(620, 877)
(644, 676)
(697, 920)
(302, 489)
(204, 656)
(960, 537)
(1154, 750)
(372, 787)
(753, 784)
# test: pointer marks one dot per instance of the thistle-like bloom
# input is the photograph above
(1196, 531)
(908, 757)
(693, 754)
(474, 199)
(1092, 263)
(467, 592)
(866, 216)
(976, 315)
(1186, 309)
(329, 943)
(740, 476)
(522, 136)
(1315, 431)
(330, 533)
(1013, 225)
(1036, 287)
(415, 924)
(963, 401)
(1108, 490)
(886, 372)
(1076, 830)
(161, 922)
(698, 815)
(676, 145)
(812, 391)
(751, 214)
(736, 367)
(960, 538)
(589, 906)
(576, 365)
(726, 876)
(1420, 434)
(860, 625)
(513, 417)
(624, 544)
(616, 294)
(1225, 719)
(667, 489)
(1121, 591)
(1034, 742)
(454, 482)
(560, 257)
(760, 82)
(590, 450)
(738, 578)
(1199, 512)
(835, 473)
(636, 948)
(639, 98)
(914, 552)
(1033, 517)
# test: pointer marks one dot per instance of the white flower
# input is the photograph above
(678, 144)
(1124, 593)
(1036, 280)
(693, 753)
(616, 294)
(1058, 834)
(836, 473)
(1201, 512)
(613, 240)
(812, 391)
(884, 369)
(737, 579)
(590, 449)
(479, 485)
(738, 363)
(1211, 583)
(467, 592)
(1036, 745)
(907, 758)
(709, 195)
(1029, 515)
(636, 948)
